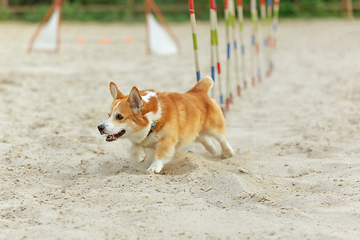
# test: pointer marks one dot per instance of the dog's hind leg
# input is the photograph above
(206, 142)
(226, 148)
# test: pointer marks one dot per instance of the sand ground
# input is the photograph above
(295, 175)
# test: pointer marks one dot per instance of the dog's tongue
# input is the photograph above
(110, 138)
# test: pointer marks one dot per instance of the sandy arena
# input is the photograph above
(295, 175)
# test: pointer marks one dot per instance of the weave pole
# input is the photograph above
(253, 42)
(264, 30)
(213, 44)
(269, 36)
(215, 55)
(193, 28)
(228, 61)
(234, 38)
(275, 26)
(242, 46)
(256, 69)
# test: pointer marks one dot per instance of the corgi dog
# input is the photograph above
(165, 121)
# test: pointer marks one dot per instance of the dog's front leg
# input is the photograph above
(163, 154)
(138, 152)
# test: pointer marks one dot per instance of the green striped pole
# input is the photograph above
(215, 61)
(253, 41)
(193, 28)
(255, 44)
(242, 46)
(275, 25)
(213, 44)
(264, 31)
(269, 36)
(228, 61)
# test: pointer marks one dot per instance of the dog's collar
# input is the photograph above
(152, 128)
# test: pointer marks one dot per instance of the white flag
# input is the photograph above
(47, 40)
(159, 40)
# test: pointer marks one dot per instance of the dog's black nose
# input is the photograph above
(101, 128)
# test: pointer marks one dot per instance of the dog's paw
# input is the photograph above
(156, 166)
(228, 152)
(139, 154)
(212, 151)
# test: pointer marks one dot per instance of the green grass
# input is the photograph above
(73, 12)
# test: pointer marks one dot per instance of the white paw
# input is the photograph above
(228, 152)
(156, 166)
(209, 146)
(206, 142)
(139, 155)
(212, 150)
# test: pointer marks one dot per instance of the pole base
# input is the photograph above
(223, 110)
(231, 98)
(228, 102)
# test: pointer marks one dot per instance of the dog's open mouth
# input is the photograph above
(111, 138)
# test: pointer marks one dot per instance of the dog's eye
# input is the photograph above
(119, 117)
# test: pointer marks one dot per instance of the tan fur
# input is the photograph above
(181, 118)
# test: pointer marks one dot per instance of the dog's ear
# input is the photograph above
(135, 100)
(115, 93)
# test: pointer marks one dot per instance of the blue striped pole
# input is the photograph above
(236, 53)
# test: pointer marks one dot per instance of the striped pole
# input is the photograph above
(215, 55)
(228, 62)
(269, 36)
(234, 38)
(255, 43)
(264, 30)
(193, 28)
(275, 26)
(242, 46)
(212, 40)
(275, 21)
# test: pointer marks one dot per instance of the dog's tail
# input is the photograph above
(203, 85)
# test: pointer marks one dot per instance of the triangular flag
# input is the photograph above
(47, 35)
(47, 38)
(160, 42)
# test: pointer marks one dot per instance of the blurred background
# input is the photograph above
(174, 10)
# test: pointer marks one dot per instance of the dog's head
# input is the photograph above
(130, 116)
